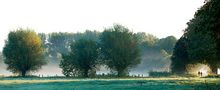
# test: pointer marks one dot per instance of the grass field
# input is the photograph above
(110, 84)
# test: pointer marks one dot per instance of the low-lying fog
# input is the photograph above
(151, 61)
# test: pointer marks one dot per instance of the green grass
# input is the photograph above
(110, 84)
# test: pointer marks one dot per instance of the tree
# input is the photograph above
(180, 57)
(146, 41)
(68, 65)
(82, 58)
(167, 44)
(59, 43)
(119, 49)
(93, 35)
(45, 44)
(23, 52)
(203, 35)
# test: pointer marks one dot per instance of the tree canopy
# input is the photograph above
(23, 51)
(83, 57)
(119, 49)
(202, 35)
(58, 43)
(200, 42)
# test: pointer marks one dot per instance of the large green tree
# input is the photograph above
(180, 57)
(23, 51)
(203, 35)
(83, 58)
(69, 65)
(119, 49)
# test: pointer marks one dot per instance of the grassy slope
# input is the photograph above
(110, 84)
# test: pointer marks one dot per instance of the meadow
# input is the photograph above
(110, 84)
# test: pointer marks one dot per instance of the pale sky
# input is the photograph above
(158, 17)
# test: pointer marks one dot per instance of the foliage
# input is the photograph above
(167, 44)
(119, 49)
(180, 57)
(68, 66)
(202, 35)
(92, 35)
(59, 43)
(23, 51)
(155, 52)
(82, 58)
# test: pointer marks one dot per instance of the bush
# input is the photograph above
(159, 74)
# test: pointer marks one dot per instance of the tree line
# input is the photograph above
(80, 54)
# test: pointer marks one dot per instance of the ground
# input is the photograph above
(110, 84)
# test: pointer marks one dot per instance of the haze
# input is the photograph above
(158, 17)
(161, 18)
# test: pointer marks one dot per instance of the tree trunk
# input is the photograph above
(23, 73)
(85, 73)
(121, 73)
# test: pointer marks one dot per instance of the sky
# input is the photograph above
(158, 17)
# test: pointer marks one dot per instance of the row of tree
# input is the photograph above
(23, 52)
(117, 48)
(153, 51)
(201, 40)
(81, 54)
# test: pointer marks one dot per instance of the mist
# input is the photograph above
(155, 53)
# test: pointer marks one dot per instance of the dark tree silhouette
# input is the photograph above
(202, 35)
(179, 57)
